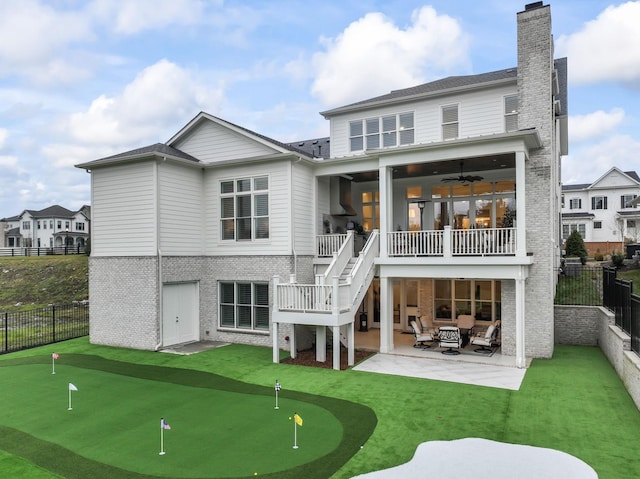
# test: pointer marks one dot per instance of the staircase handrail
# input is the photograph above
(340, 259)
(363, 267)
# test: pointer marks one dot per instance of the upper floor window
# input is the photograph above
(79, 226)
(597, 225)
(599, 203)
(450, 122)
(59, 224)
(66, 225)
(51, 224)
(575, 203)
(625, 201)
(244, 208)
(38, 225)
(44, 225)
(511, 113)
(26, 225)
(381, 132)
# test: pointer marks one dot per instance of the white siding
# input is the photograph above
(279, 210)
(123, 210)
(210, 143)
(615, 179)
(303, 209)
(480, 113)
(181, 222)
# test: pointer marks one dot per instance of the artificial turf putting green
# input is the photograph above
(220, 427)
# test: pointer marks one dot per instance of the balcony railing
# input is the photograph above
(326, 245)
(450, 242)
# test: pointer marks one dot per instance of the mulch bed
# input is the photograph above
(308, 358)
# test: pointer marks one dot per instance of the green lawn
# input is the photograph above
(574, 403)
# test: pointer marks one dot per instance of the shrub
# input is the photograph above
(598, 256)
(617, 259)
(575, 246)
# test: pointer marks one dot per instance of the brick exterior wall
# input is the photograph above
(124, 302)
(535, 68)
(125, 309)
(577, 325)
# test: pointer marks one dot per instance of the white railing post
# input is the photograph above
(335, 297)
(276, 280)
(446, 243)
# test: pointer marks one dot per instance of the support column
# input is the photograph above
(321, 343)
(521, 206)
(292, 342)
(276, 348)
(336, 347)
(521, 360)
(351, 359)
(386, 209)
(386, 315)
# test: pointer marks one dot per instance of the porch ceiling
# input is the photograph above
(449, 167)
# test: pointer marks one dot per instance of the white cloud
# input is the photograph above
(606, 49)
(133, 17)
(372, 55)
(593, 125)
(34, 37)
(587, 164)
(8, 162)
(154, 100)
(4, 134)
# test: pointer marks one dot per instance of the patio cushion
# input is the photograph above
(489, 332)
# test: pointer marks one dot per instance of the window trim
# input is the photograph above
(572, 203)
(253, 193)
(447, 124)
(510, 116)
(236, 305)
(599, 202)
(626, 204)
(364, 136)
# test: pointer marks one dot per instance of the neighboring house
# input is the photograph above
(604, 212)
(52, 226)
(240, 238)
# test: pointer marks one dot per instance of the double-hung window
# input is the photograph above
(625, 201)
(382, 132)
(450, 129)
(244, 305)
(244, 208)
(599, 203)
(575, 203)
(511, 113)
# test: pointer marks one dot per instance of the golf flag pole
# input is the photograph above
(297, 421)
(71, 388)
(278, 387)
(163, 425)
(54, 356)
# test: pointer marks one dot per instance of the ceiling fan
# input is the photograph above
(462, 178)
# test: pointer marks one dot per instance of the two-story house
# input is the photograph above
(241, 238)
(603, 212)
(53, 226)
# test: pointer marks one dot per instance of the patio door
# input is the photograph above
(180, 318)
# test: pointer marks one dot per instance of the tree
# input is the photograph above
(575, 245)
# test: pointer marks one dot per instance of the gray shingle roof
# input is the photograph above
(580, 186)
(578, 215)
(55, 211)
(436, 86)
(316, 147)
(633, 175)
(160, 148)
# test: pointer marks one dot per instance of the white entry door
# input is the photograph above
(180, 317)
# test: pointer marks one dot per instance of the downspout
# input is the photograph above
(159, 260)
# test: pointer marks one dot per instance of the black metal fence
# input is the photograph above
(37, 327)
(619, 298)
(77, 249)
(580, 285)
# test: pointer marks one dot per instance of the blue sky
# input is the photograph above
(80, 80)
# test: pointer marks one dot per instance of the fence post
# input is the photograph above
(53, 320)
(6, 332)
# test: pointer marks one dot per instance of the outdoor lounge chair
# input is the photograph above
(449, 337)
(487, 339)
(421, 338)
